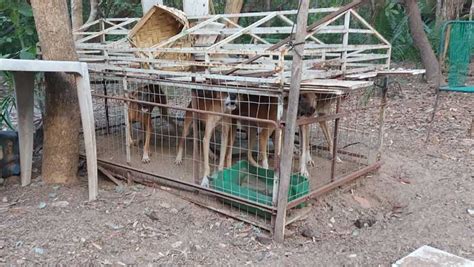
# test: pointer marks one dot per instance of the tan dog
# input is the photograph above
(220, 102)
(323, 107)
(264, 107)
(138, 112)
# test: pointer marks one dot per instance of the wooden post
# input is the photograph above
(128, 134)
(88, 126)
(345, 40)
(334, 140)
(24, 83)
(289, 138)
(382, 118)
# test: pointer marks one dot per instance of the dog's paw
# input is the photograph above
(205, 182)
(146, 159)
(304, 172)
(178, 161)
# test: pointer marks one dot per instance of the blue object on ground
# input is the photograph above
(9, 154)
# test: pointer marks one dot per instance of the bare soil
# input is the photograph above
(421, 195)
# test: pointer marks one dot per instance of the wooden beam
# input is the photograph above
(309, 30)
(24, 89)
(288, 143)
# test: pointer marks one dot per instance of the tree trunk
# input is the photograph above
(428, 57)
(233, 7)
(76, 15)
(448, 10)
(61, 122)
(94, 9)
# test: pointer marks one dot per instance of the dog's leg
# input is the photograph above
(252, 133)
(327, 135)
(309, 159)
(230, 145)
(262, 145)
(224, 142)
(210, 125)
(304, 150)
(146, 147)
(188, 119)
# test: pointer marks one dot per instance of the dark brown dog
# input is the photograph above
(140, 112)
(265, 107)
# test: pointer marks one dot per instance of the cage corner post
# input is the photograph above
(88, 125)
(24, 92)
(288, 142)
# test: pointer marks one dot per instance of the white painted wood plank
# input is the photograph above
(88, 125)
(24, 91)
(40, 65)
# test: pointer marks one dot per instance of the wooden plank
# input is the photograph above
(242, 31)
(288, 143)
(276, 30)
(345, 39)
(263, 14)
(310, 28)
(88, 126)
(24, 92)
(85, 39)
(40, 66)
(128, 134)
(366, 24)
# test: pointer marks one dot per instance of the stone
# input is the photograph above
(177, 244)
(39, 251)
(42, 205)
(60, 204)
(4, 199)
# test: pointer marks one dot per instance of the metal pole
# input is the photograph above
(382, 117)
(289, 138)
(334, 142)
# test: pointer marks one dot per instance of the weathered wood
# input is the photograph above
(288, 143)
(128, 134)
(24, 92)
(309, 29)
(88, 126)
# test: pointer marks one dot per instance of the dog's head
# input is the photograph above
(307, 104)
(145, 94)
(231, 101)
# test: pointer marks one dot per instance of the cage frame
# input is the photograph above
(117, 59)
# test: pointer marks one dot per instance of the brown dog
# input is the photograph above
(219, 102)
(323, 107)
(139, 112)
(265, 107)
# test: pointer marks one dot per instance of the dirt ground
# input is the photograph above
(423, 194)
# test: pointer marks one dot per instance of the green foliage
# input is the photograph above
(392, 23)
(17, 34)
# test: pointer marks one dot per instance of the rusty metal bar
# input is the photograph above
(334, 140)
(338, 182)
(157, 178)
(274, 123)
(312, 120)
(196, 163)
(104, 85)
(382, 117)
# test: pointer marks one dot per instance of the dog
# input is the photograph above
(265, 107)
(140, 112)
(323, 107)
(220, 102)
